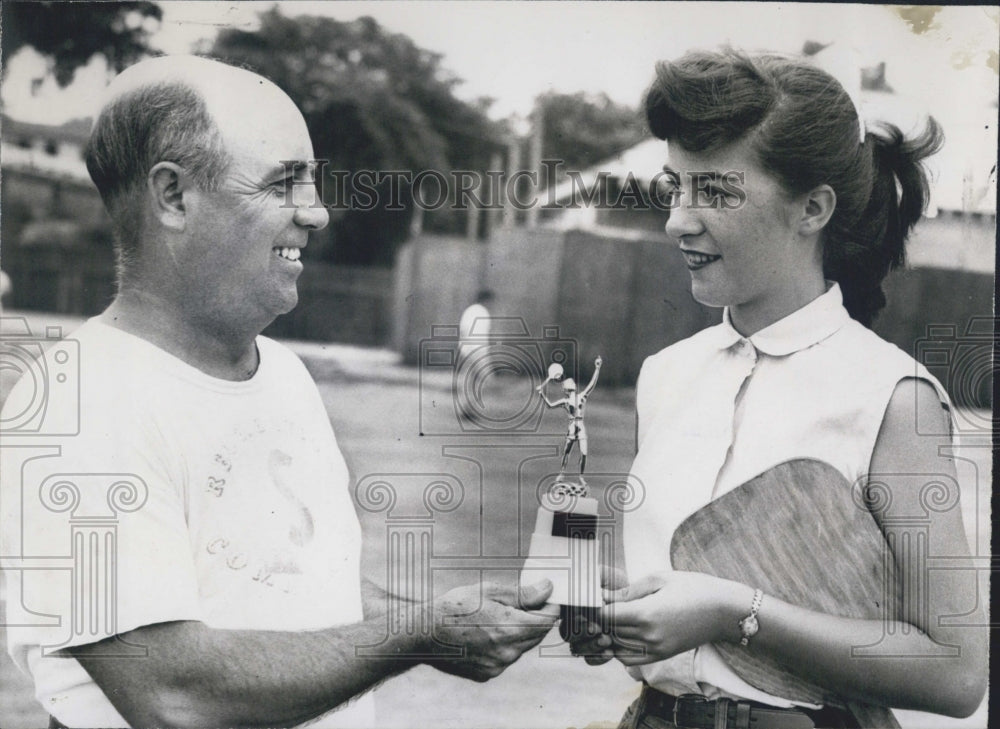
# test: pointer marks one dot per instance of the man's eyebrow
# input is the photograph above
(671, 171)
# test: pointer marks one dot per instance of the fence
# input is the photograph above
(626, 297)
(349, 304)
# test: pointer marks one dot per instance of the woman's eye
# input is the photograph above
(668, 192)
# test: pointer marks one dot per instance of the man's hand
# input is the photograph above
(493, 624)
(200, 676)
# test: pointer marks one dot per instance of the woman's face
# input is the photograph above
(739, 233)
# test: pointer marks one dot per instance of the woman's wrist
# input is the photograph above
(735, 605)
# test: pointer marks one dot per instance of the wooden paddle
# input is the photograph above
(798, 533)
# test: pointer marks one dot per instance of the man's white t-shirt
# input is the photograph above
(181, 497)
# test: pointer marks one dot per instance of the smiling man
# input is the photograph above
(236, 592)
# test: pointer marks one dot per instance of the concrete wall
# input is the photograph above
(349, 304)
(436, 278)
(954, 240)
(628, 297)
(521, 270)
(622, 299)
(947, 311)
(625, 299)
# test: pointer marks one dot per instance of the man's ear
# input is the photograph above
(166, 184)
(819, 204)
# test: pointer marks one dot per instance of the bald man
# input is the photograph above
(235, 596)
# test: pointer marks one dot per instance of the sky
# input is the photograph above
(513, 51)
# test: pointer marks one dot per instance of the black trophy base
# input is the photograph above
(578, 622)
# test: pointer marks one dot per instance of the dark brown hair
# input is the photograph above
(805, 130)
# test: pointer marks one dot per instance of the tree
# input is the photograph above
(583, 130)
(372, 100)
(70, 34)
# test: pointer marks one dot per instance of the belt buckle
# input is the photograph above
(687, 700)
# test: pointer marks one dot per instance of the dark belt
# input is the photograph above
(56, 724)
(694, 711)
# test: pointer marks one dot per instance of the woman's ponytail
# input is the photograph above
(875, 245)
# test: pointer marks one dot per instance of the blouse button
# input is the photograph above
(746, 349)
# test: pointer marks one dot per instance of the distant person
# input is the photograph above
(474, 329)
(6, 289)
(796, 254)
(474, 326)
(8, 375)
(240, 570)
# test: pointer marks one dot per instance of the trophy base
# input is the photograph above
(564, 547)
(574, 621)
(563, 488)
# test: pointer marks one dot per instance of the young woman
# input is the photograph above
(789, 214)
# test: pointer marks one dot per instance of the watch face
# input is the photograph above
(749, 625)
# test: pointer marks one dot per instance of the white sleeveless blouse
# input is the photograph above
(717, 409)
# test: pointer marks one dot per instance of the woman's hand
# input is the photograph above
(667, 613)
(592, 640)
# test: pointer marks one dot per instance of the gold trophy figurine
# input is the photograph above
(564, 546)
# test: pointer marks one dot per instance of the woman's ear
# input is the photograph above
(820, 202)
(166, 184)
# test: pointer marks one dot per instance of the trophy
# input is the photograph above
(564, 545)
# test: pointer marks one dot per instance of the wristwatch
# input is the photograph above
(749, 625)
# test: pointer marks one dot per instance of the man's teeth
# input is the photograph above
(292, 254)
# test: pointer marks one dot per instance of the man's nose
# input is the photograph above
(314, 217)
(682, 222)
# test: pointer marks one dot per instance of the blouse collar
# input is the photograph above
(814, 322)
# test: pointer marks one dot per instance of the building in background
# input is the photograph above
(56, 234)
